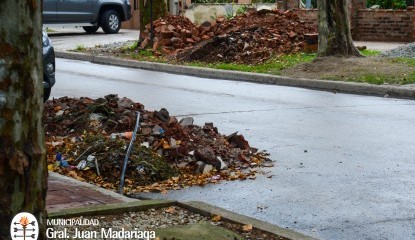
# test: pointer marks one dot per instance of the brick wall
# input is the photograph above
(375, 25)
(385, 25)
(308, 16)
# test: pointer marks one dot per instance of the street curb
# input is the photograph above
(325, 85)
(209, 210)
(113, 208)
(92, 187)
(201, 208)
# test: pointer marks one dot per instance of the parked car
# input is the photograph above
(89, 14)
(48, 66)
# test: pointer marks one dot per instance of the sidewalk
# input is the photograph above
(67, 197)
(65, 193)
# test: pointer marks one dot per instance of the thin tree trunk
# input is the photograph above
(159, 11)
(334, 36)
(23, 172)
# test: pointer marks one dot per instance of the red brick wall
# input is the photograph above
(375, 25)
(385, 25)
(308, 16)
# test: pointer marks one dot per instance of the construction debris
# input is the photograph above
(250, 38)
(87, 139)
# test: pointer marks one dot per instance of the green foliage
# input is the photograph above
(242, 10)
(369, 53)
(129, 47)
(159, 11)
(80, 48)
(409, 61)
(379, 79)
(388, 4)
(231, 13)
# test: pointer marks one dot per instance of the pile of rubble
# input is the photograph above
(249, 38)
(87, 140)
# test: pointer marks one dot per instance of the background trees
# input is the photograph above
(388, 4)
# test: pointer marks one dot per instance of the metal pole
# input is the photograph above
(151, 23)
(130, 147)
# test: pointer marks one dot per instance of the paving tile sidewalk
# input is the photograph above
(64, 193)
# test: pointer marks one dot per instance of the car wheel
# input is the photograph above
(46, 94)
(110, 22)
(90, 29)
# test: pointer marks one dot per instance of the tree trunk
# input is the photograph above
(334, 37)
(23, 172)
(159, 11)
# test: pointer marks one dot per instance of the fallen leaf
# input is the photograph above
(72, 174)
(247, 227)
(170, 210)
(216, 218)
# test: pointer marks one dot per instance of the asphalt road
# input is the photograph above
(345, 164)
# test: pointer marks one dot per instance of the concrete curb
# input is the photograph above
(197, 207)
(325, 85)
(114, 208)
(209, 210)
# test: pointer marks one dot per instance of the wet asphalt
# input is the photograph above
(345, 164)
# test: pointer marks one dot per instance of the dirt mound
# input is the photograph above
(249, 38)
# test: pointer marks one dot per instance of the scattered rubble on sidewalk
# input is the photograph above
(249, 38)
(87, 140)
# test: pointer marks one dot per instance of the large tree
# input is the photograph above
(23, 172)
(334, 36)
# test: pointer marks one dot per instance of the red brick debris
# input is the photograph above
(249, 38)
(168, 153)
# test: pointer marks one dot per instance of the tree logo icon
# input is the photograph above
(24, 226)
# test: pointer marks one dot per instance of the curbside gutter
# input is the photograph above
(406, 92)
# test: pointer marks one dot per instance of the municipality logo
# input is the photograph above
(24, 226)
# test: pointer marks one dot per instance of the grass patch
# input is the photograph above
(80, 48)
(385, 79)
(409, 61)
(378, 79)
(272, 66)
(131, 52)
(130, 47)
(370, 53)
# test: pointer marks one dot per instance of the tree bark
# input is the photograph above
(159, 11)
(334, 36)
(23, 172)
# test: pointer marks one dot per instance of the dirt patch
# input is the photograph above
(348, 68)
